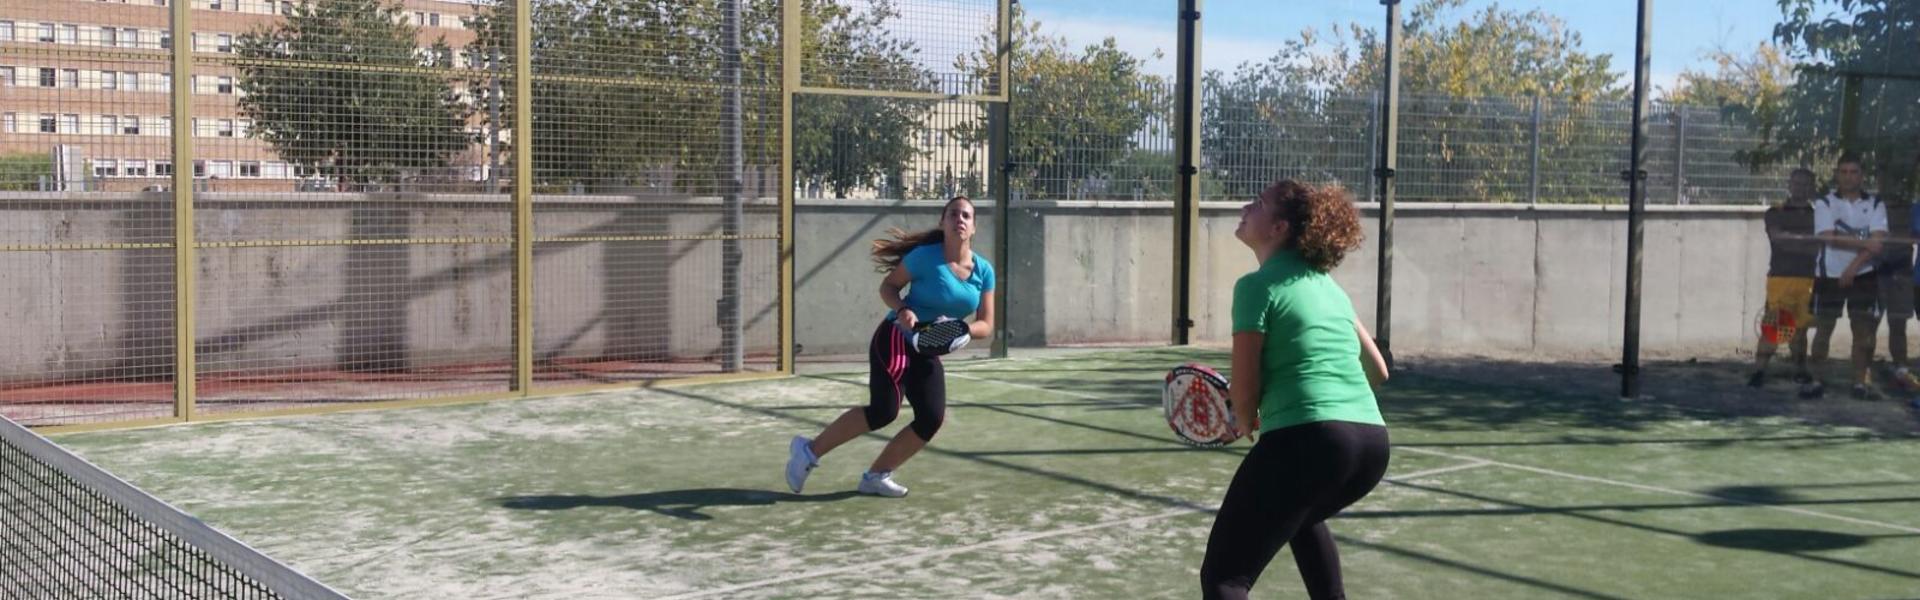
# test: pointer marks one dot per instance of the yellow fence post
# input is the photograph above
(184, 261)
(789, 84)
(523, 197)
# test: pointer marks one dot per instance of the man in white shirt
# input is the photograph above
(1852, 224)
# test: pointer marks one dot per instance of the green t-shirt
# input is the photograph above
(1310, 363)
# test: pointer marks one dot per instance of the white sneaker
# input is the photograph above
(800, 462)
(881, 484)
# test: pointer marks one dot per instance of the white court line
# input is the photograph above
(1563, 474)
(868, 567)
(1672, 491)
(1431, 472)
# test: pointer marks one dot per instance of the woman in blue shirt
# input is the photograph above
(943, 279)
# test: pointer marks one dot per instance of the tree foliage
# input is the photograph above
(1872, 40)
(1467, 83)
(315, 87)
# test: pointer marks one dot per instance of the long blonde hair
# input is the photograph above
(888, 252)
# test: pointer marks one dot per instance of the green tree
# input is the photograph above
(1869, 42)
(22, 172)
(626, 88)
(1080, 112)
(848, 142)
(336, 87)
(1466, 86)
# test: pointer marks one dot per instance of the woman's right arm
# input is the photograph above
(890, 287)
(1370, 359)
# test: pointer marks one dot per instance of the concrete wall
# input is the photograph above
(1498, 280)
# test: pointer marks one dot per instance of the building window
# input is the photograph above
(106, 167)
(275, 170)
(130, 37)
(226, 128)
(433, 19)
(6, 31)
(220, 168)
(249, 169)
(109, 80)
(70, 124)
(108, 125)
(224, 44)
(70, 78)
(166, 40)
(69, 34)
(130, 82)
(48, 124)
(46, 33)
(136, 168)
(130, 125)
(47, 77)
(162, 168)
(109, 36)
(8, 123)
(6, 76)
(199, 169)
(224, 85)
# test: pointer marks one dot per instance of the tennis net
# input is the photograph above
(72, 530)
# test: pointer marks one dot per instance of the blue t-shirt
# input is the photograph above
(935, 292)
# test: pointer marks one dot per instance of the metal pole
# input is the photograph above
(1680, 155)
(1533, 172)
(1000, 160)
(1636, 176)
(1389, 160)
(1373, 137)
(185, 262)
(1186, 211)
(522, 196)
(733, 217)
(790, 24)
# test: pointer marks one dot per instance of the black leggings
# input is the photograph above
(1286, 488)
(894, 370)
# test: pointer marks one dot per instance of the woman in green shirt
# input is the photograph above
(1304, 369)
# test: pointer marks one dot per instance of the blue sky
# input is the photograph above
(1240, 30)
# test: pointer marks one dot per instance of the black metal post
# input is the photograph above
(1636, 176)
(1186, 210)
(1389, 160)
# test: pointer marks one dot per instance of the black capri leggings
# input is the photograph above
(893, 370)
(1289, 484)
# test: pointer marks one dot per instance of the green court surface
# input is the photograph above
(1055, 477)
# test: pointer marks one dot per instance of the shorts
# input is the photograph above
(1793, 295)
(1861, 302)
(1896, 294)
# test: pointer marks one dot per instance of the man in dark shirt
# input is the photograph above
(1790, 274)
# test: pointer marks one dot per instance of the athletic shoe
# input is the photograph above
(1802, 378)
(1863, 391)
(881, 484)
(1813, 390)
(800, 462)
(1905, 381)
(1758, 380)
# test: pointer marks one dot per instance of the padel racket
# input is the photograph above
(1197, 406)
(939, 338)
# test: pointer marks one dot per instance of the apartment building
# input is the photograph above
(85, 85)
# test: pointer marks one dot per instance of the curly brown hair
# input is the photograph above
(1322, 222)
(889, 251)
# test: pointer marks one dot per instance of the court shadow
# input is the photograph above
(1781, 540)
(680, 504)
